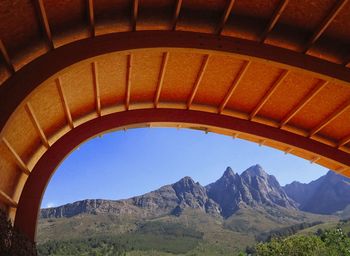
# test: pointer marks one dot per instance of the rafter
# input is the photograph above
(344, 141)
(198, 79)
(176, 13)
(44, 22)
(91, 17)
(234, 85)
(314, 159)
(6, 57)
(37, 125)
(64, 103)
(324, 25)
(345, 170)
(329, 119)
(276, 15)
(135, 10)
(262, 142)
(225, 16)
(18, 159)
(235, 135)
(267, 95)
(7, 200)
(288, 150)
(96, 88)
(303, 102)
(346, 62)
(128, 82)
(341, 169)
(161, 78)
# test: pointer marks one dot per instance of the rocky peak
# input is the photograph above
(253, 187)
(255, 170)
(185, 183)
(334, 178)
(228, 172)
(187, 187)
(193, 195)
(328, 194)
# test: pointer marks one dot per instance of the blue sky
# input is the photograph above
(124, 164)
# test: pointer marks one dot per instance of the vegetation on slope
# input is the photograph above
(192, 233)
(328, 243)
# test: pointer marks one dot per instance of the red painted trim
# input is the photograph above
(24, 81)
(26, 216)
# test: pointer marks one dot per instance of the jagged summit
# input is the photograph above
(187, 181)
(255, 170)
(228, 172)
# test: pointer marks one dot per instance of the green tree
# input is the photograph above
(336, 242)
(325, 243)
(293, 246)
(12, 242)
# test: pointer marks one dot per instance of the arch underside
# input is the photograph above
(271, 87)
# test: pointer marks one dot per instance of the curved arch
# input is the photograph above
(27, 211)
(24, 81)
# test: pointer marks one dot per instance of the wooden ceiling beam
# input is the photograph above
(96, 87)
(324, 25)
(6, 58)
(44, 23)
(161, 78)
(64, 103)
(128, 82)
(225, 16)
(16, 156)
(135, 10)
(91, 17)
(176, 14)
(329, 119)
(234, 85)
(37, 125)
(198, 80)
(275, 17)
(7, 200)
(303, 102)
(269, 93)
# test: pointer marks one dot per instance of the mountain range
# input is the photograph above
(326, 195)
(186, 218)
(224, 197)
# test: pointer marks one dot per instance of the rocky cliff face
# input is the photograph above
(326, 195)
(90, 206)
(253, 187)
(222, 198)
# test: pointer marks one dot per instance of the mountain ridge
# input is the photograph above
(252, 188)
(326, 195)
